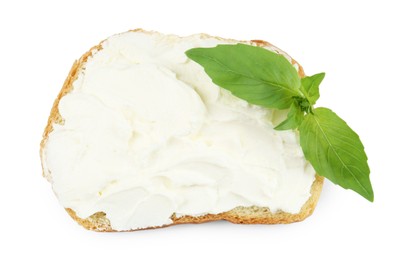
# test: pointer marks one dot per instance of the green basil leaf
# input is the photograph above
(335, 151)
(294, 118)
(310, 87)
(257, 75)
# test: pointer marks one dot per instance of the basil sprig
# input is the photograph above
(268, 79)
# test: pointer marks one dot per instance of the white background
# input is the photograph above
(358, 45)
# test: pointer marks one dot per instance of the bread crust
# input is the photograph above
(239, 215)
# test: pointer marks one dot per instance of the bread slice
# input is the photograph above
(239, 215)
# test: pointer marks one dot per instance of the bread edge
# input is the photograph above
(239, 215)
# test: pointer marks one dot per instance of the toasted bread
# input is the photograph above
(239, 215)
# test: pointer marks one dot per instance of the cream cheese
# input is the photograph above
(147, 134)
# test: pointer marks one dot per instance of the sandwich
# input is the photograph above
(142, 136)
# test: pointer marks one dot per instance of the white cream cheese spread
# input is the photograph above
(146, 134)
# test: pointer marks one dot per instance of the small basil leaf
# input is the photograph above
(294, 118)
(310, 87)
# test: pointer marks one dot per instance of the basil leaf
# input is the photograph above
(310, 87)
(257, 75)
(335, 151)
(294, 118)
